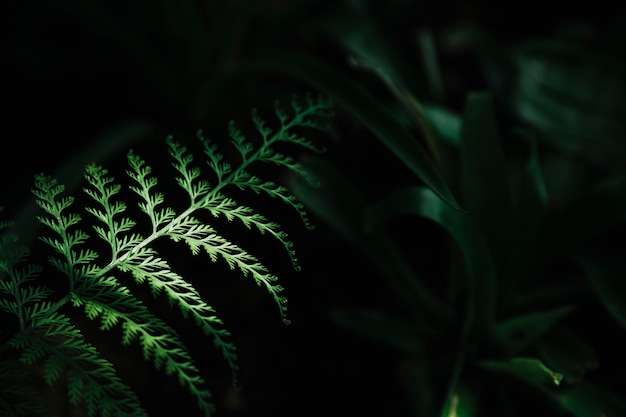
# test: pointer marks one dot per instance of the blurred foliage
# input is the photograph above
(472, 203)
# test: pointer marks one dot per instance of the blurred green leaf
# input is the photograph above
(446, 122)
(462, 401)
(606, 274)
(574, 96)
(590, 400)
(529, 194)
(494, 57)
(423, 202)
(368, 48)
(529, 200)
(442, 130)
(531, 370)
(382, 328)
(563, 349)
(366, 108)
(436, 128)
(339, 204)
(368, 45)
(484, 173)
(428, 46)
(517, 333)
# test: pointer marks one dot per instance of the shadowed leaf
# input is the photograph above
(517, 333)
(337, 203)
(365, 107)
(561, 348)
(368, 45)
(446, 122)
(529, 199)
(423, 202)
(484, 174)
(531, 370)
(574, 96)
(606, 274)
(462, 401)
(590, 400)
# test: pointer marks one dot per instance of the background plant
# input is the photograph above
(112, 64)
(488, 324)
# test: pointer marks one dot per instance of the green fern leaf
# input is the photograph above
(18, 397)
(96, 278)
(148, 266)
(63, 348)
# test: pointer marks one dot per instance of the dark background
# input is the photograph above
(85, 81)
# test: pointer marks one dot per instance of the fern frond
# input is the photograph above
(220, 205)
(103, 296)
(256, 184)
(31, 294)
(91, 379)
(140, 172)
(215, 160)
(8, 306)
(24, 301)
(201, 236)
(196, 188)
(38, 310)
(114, 303)
(10, 252)
(96, 279)
(16, 276)
(18, 397)
(146, 265)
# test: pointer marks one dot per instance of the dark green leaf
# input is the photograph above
(423, 202)
(591, 400)
(517, 333)
(371, 47)
(366, 108)
(531, 370)
(529, 196)
(339, 204)
(462, 401)
(575, 97)
(561, 348)
(446, 123)
(493, 56)
(606, 274)
(484, 174)
(529, 201)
